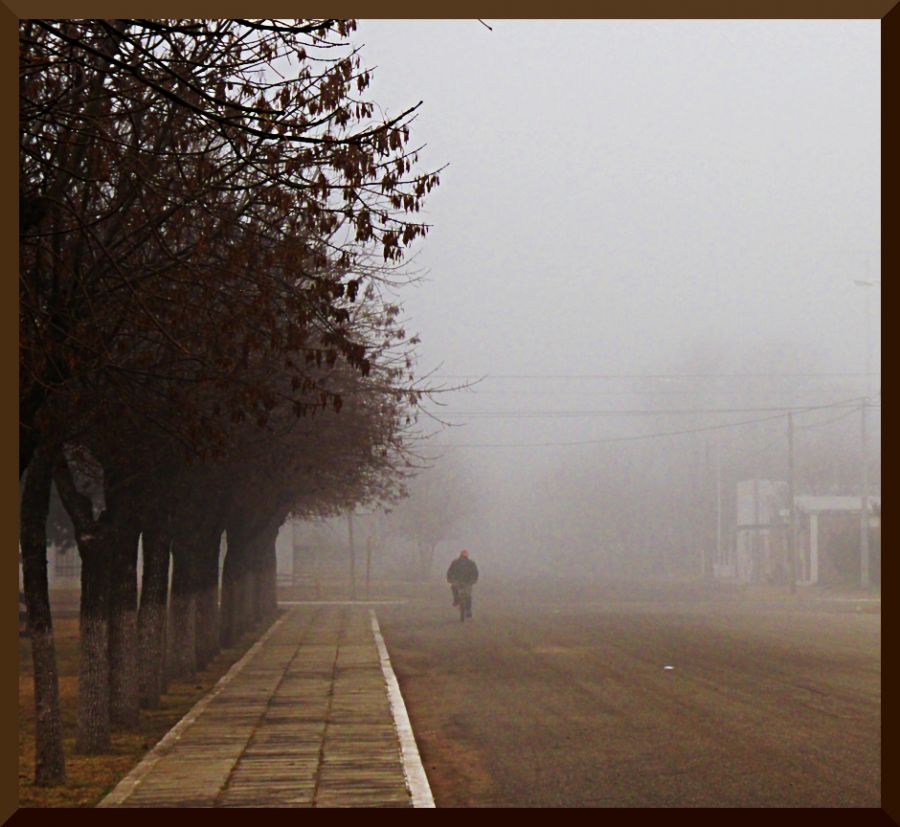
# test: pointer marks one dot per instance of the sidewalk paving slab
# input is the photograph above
(305, 721)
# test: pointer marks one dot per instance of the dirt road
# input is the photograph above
(546, 700)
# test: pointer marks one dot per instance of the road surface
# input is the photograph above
(643, 699)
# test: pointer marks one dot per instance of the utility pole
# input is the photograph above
(718, 499)
(704, 553)
(792, 552)
(352, 555)
(754, 559)
(864, 578)
(864, 502)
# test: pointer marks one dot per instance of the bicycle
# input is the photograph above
(464, 596)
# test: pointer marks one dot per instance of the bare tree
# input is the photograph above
(439, 498)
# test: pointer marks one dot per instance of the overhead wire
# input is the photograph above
(623, 412)
(781, 437)
(815, 425)
(637, 437)
(613, 376)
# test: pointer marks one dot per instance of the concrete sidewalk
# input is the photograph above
(303, 720)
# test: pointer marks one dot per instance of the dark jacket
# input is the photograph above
(463, 570)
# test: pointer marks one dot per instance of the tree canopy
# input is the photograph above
(211, 212)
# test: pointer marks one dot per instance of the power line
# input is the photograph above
(612, 376)
(636, 437)
(656, 392)
(626, 412)
(835, 419)
(607, 440)
(759, 451)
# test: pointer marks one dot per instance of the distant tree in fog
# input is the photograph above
(438, 500)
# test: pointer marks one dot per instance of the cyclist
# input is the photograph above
(462, 573)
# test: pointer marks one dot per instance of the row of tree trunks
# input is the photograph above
(109, 687)
(129, 651)
(194, 613)
(108, 683)
(249, 577)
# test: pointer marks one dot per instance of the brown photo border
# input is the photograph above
(11, 12)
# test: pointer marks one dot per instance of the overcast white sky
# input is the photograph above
(620, 192)
(616, 187)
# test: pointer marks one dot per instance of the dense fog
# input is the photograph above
(317, 318)
(645, 253)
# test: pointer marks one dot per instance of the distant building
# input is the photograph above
(828, 530)
(827, 538)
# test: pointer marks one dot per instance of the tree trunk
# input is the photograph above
(124, 681)
(259, 579)
(232, 623)
(182, 640)
(50, 767)
(152, 613)
(228, 621)
(93, 732)
(248, 612)
(208, 599)
(267, 577)
(249, 574)
(30, 403)
(98, 545)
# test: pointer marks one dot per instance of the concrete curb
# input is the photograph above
(416, 780)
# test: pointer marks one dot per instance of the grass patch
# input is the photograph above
(90, 777)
